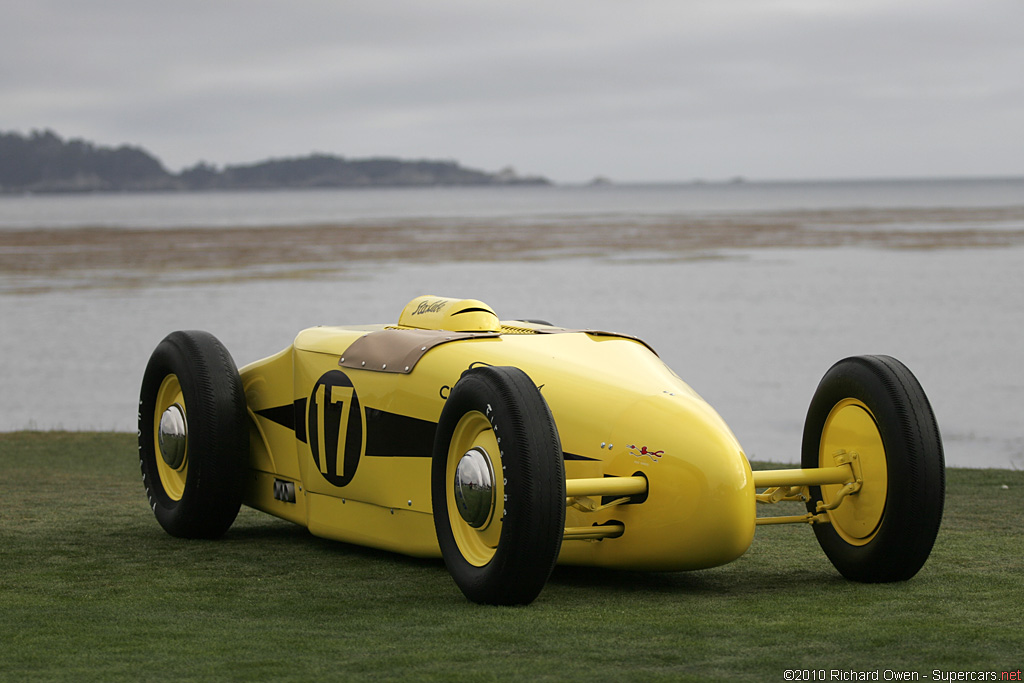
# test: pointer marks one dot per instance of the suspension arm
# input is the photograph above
(605, 486)
(793, 484)
(817, 476)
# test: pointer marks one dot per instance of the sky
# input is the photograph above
(638, 90)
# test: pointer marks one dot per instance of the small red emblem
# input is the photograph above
(639, 451)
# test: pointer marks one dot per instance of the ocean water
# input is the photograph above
(752, 330)
(560, 203)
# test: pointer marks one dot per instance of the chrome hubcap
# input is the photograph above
(474, 488)
(173, 436)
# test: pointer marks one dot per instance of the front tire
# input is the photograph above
(874, 406)
(193, 437)
(498, 487)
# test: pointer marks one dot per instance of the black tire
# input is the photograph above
(507, 558)
(885, 531)
(194, 482)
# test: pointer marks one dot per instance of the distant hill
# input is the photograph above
(43, 162)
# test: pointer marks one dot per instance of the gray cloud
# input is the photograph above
(638, 91)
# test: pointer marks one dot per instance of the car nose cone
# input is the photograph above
(474, 488)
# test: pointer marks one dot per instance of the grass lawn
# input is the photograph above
(91, 588)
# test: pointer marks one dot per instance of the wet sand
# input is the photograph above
(60, 258)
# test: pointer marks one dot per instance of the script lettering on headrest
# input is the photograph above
(430, 306)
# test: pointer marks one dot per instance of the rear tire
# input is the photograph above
(498, 487)
(875, 407)
(193, 436)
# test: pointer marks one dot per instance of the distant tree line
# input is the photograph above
(43, 162)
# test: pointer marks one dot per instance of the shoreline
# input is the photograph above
(47, 259)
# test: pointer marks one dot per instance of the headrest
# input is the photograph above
(454, 315)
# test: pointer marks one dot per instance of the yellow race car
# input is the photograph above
(505, 447)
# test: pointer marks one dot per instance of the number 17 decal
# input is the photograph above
(335, 427)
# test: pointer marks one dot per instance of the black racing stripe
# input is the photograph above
(291, 416)
(388, 434)
(282, 415)
(300, 419)
(573, 456)
(391, 435)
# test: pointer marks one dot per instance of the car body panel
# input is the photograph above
(355, 440)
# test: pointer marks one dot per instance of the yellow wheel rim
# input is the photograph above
(851, 427)
(477, 545)
(169, 396)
